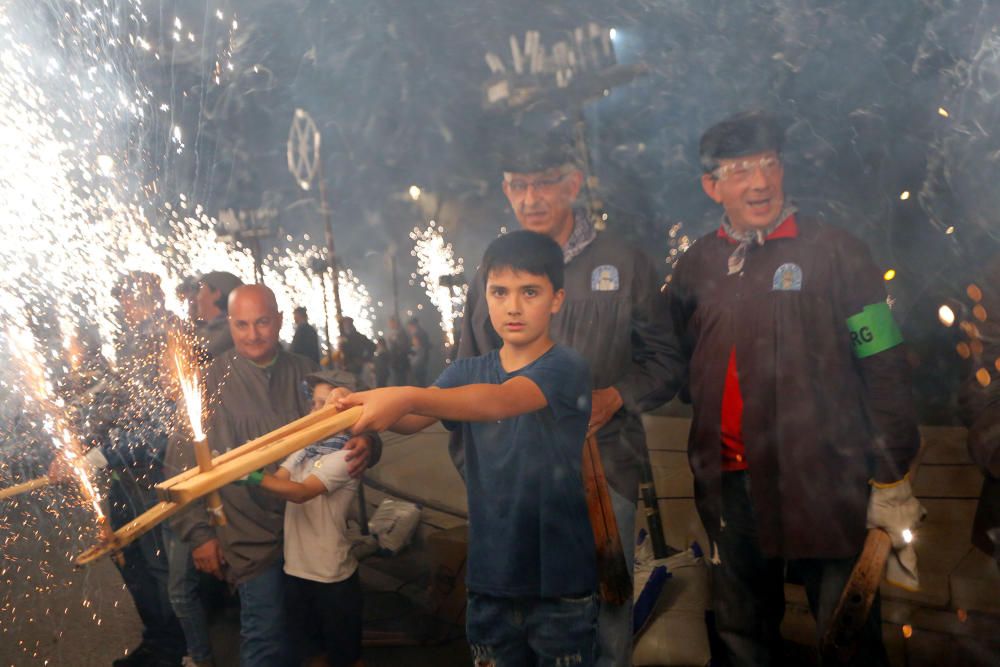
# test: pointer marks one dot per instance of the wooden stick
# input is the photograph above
(199, 484)
(134, 529)
(251, 446)
(614, 574)
(234, 469)
(30, 485)
(214, 501)
(842, 633)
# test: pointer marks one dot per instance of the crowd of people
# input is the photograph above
(775, 327)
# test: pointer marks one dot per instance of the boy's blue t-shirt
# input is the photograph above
(529, 532)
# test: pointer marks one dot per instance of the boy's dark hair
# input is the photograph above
(526, 251)
(745, 133)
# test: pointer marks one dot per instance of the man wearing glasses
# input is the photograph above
(613, 315)
(803, 429)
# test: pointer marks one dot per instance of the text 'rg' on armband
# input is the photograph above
(873, 330)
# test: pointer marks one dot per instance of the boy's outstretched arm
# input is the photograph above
(282, 486)
(385, 408)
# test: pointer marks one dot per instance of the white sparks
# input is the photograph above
(436, 260)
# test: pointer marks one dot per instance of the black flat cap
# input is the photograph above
(745, 133)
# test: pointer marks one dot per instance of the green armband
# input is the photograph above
(873, 330)
(253, 479)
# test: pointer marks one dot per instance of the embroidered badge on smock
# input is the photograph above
(788, 278)
(604, 279)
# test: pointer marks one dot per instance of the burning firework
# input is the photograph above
(438, 271)
(191, 392)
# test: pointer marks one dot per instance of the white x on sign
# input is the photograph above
(303, 148)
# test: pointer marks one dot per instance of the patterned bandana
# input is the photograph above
(583, 235)
(325, 447)
(749, 237)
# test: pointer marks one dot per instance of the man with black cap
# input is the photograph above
(613, 315)
(804, 428)
(356, 348)
(212, 301)
(306, 340)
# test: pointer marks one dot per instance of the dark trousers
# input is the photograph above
(748, 589)
(145, 571)
(325, 618)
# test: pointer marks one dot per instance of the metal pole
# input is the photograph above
(395, 286)
(326, 322)
(331, 252)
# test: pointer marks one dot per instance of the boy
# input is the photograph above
(322, 591)
(523, 411)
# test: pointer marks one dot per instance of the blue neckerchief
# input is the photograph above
(325, 447)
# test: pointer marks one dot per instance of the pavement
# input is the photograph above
(53, 614)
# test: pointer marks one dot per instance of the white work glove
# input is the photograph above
(894, 509)
(95, 458)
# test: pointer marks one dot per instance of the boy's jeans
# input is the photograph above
(184, 598)
(548, 632)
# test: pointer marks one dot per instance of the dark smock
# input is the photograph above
(818, 422)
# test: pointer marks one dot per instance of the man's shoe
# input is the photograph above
(137, 657)
(188, 661)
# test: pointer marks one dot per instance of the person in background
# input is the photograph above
(399, 353)
(357, 350)
(129, 438)
(980, 410)
(306, 340)
(804, 428)
(187, 294)
(212, 300)
(382, 365)
(420, 354)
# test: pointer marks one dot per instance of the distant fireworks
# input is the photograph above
(75, 218)
(438, 270)
(295, 283)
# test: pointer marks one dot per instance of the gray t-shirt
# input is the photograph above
(316, 543)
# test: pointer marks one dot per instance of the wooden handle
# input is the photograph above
(614, 574)
(224, 472)
(133, 530)
(851, 614)
(30, 485)
(251, 446)
(213, 502)
(226, 469)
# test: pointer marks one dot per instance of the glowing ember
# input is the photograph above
(946, 315)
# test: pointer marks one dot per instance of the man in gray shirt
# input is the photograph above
(253, 389)
(613, 315)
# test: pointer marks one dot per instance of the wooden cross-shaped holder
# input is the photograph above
(183, 489)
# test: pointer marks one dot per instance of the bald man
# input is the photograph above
(254, 388)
